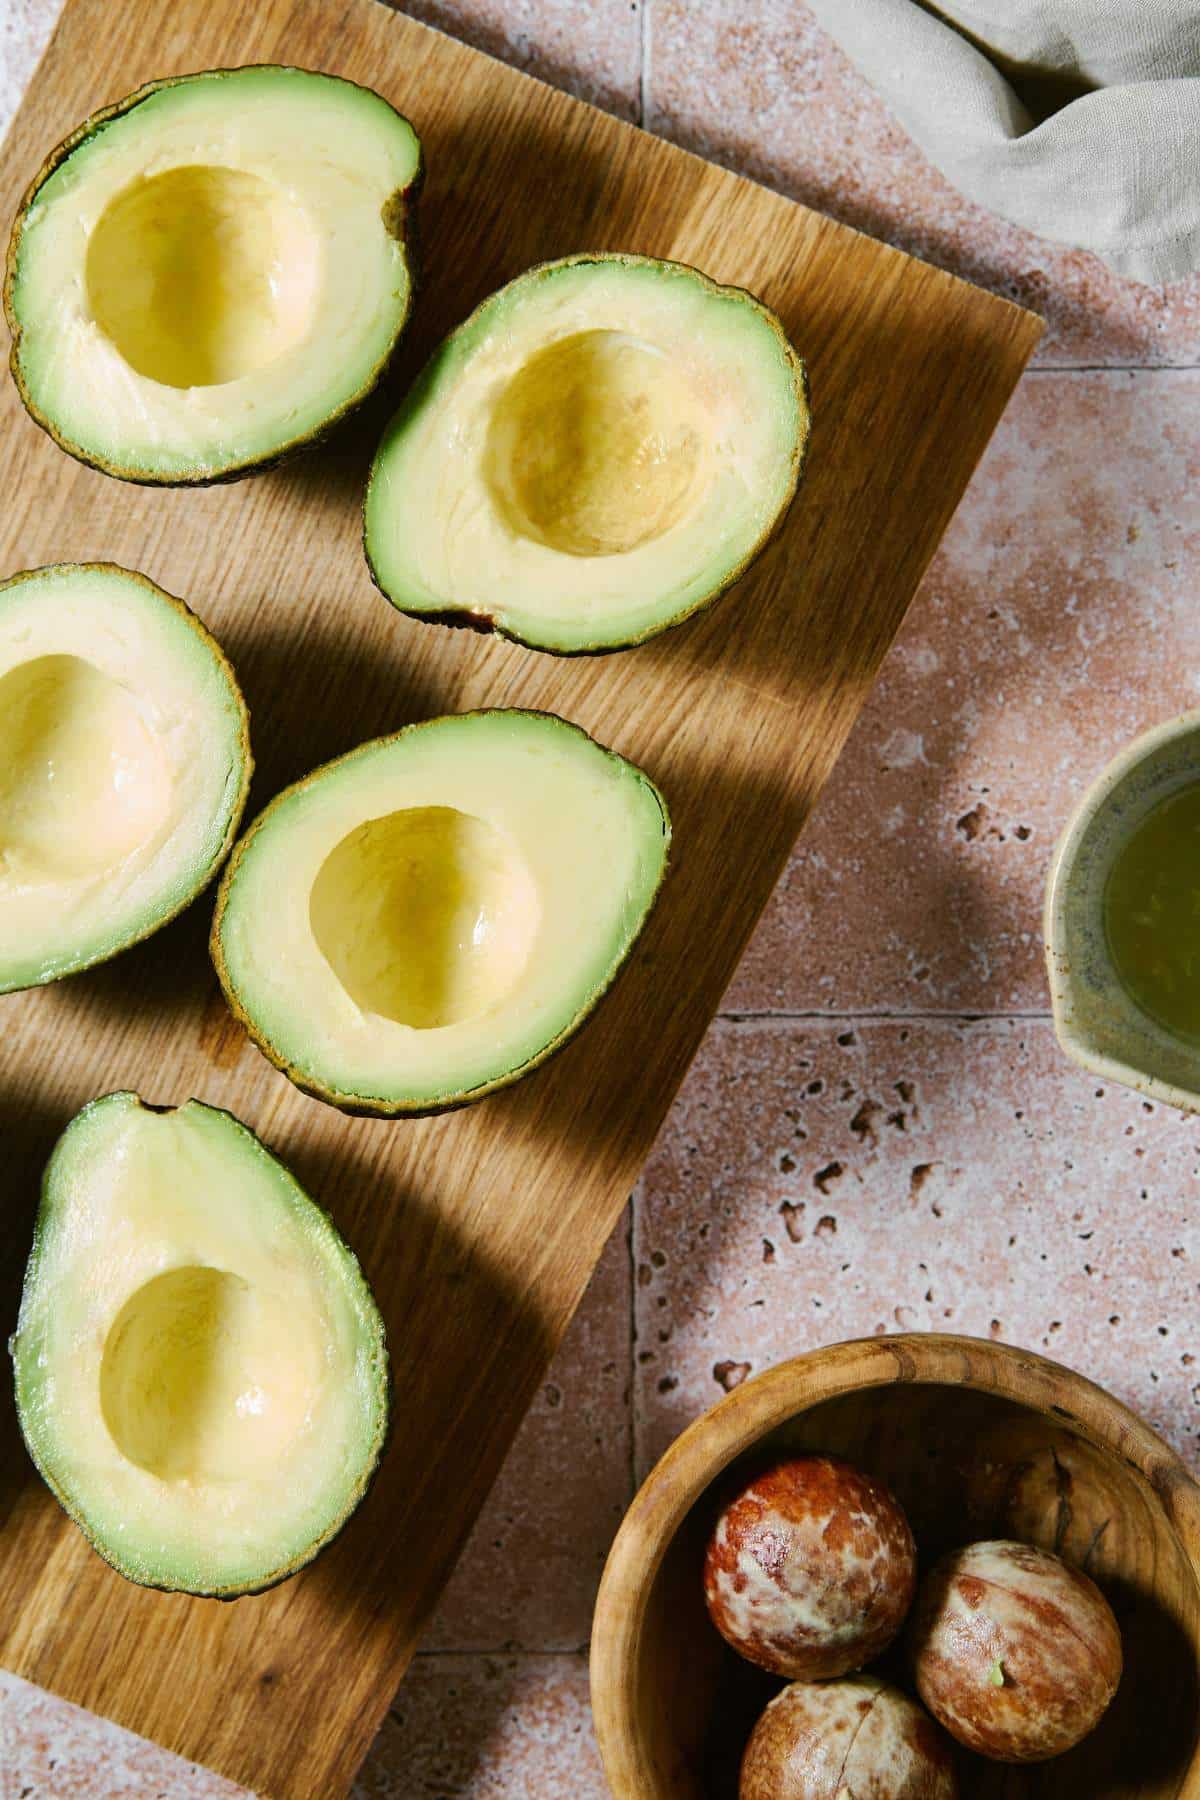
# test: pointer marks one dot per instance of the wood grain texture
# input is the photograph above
(478, 1231)
(977, 1440)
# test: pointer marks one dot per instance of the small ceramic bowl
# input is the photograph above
(1096, 1021)
(977, 1440)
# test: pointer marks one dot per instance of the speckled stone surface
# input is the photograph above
(491, 1727)
(1058, 619)
(50, 1750)
(594, 51)
(25, 26)
(825, 1179)
(880, 1133)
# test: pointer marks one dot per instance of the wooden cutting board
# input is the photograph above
(478, 1231)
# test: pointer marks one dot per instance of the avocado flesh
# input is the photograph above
(124, 765)
(201, 1374)
(599, 451)
(211, 273)
(427, 918)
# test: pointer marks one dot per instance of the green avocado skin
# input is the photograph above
(479, 620)
(127, 1564)
(401, 219)
(361, 1106)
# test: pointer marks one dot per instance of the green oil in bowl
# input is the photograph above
(1152, 914)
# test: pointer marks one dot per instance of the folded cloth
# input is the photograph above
(1078, 119)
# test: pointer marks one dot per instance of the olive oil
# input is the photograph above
(1152, 914)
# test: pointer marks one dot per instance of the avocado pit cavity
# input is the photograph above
(203, 274)
(206, 1378)
(427, 916)
(84, 780)
(596, 445)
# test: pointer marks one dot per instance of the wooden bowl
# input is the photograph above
(977, 1440)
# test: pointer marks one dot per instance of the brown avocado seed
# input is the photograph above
(810, 1568)
(1014, 1651)
(858, 1737)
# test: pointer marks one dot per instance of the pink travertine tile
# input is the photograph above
(487, 1728)
(756, 85)
(529, 1574)
(592, 50)
(50, 1750)
(25, 26)
(828, 1180)
(1058, 619)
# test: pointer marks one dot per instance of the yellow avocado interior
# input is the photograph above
(84, 778)
(426, 918)
(211, 275)
(200, 276)
(597, 451)
(596, 444)
(200, 1366)
(123, 765)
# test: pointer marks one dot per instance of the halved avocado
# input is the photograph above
(124, 765)
(430, 917)
(201, 1373)
(208, 275)
(598, 452)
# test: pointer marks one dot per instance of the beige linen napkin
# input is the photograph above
(1078, 119)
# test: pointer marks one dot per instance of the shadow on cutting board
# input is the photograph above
(27, 1135)
(592, 210)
